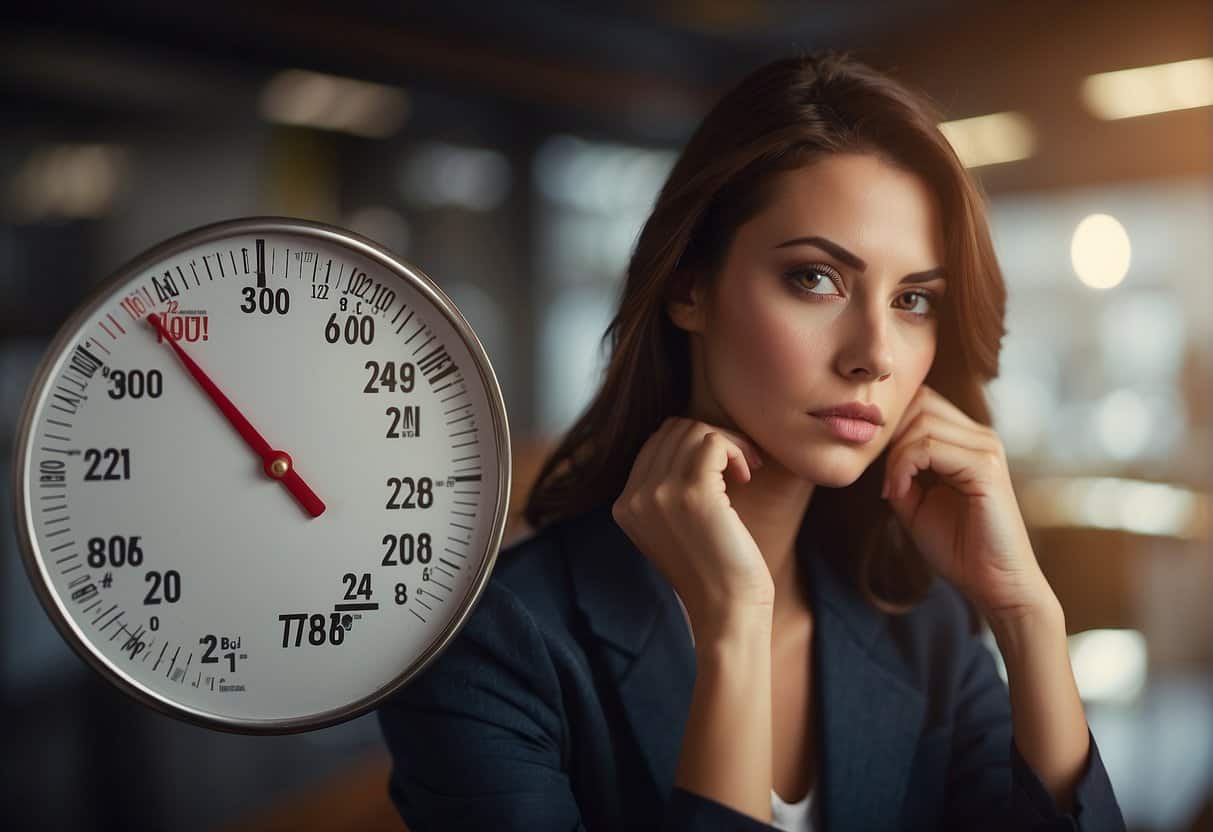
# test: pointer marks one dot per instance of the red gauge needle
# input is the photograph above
(277, 464)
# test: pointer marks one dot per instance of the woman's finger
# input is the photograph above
(933, 425)
(753, 457)
(963, 468)
(644, 459)
(667, 452)
(927, 400)
(713, 454)
(645, 462)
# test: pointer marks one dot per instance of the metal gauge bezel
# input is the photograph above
(59, 350)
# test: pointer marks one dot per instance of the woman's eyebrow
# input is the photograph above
(835, 250)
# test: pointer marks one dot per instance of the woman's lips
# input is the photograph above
(852, 430)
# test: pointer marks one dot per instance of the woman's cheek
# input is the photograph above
(772, 356)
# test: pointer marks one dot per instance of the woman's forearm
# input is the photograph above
(726, 748)
(1049, 723)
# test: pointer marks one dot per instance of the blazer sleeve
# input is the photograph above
(478, 739)
(991, 786)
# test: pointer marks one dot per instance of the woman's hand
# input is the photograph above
(966, 522)
(674, 507)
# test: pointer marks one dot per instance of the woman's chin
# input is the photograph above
(821, 468)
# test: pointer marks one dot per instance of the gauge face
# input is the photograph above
(262, 475)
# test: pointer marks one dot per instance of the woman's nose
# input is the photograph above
(867, 353)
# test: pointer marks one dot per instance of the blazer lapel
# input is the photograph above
(630, 607)
(868, 716)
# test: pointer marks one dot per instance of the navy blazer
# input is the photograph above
(562, 702)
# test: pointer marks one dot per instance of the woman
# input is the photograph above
(743, 610)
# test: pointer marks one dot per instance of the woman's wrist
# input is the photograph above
(727, 744)
(732, 630)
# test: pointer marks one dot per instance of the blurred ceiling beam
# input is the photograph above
(336, 39)
(1032, 58)
(972, 58)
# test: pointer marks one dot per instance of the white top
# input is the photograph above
(791, 817)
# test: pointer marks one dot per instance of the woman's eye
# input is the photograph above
(916, 298)
(812, 277)
(808, 280)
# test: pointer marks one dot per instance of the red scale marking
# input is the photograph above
(115, 323)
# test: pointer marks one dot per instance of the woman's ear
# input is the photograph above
(684, 301)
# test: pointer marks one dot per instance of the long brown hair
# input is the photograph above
(784, 115)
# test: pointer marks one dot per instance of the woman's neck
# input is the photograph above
(772, 507)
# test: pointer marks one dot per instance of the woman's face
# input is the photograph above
(793, 326)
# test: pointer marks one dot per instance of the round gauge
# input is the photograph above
(262, 475)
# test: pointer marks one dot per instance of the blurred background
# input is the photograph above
(512, 151)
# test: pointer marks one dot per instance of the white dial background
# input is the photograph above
(244, 552)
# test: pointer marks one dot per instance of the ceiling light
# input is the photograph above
(1150, 89)
(990, 139)
(311, 99)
